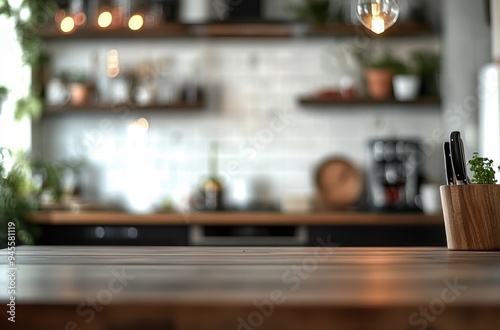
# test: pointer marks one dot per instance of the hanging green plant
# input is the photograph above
(15, 200)
(28, 106)
(3, 92)
(29, 17)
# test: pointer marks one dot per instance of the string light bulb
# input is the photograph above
(71, 18)
(378, 15)
(105, 19)
(67, 24)
(136, 22)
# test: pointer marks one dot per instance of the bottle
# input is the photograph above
(212, 187)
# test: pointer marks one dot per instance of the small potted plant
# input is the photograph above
(406, 83)
(428, 65)
(80, 90)
(379, 73)
(482, 169)
(472, 211)
(318, 11)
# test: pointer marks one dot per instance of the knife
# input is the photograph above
(448, 166)
(458, 158)
(467, 180)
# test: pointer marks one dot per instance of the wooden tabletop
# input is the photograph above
(232, 218)
(360, 277)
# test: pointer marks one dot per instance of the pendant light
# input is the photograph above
(378, 15)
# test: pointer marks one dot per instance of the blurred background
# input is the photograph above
(288, 107)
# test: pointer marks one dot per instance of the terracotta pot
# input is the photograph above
(472, 216)
(379, 83)
(79, 94)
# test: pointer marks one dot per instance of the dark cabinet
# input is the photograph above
(114, 235)
(377, 235)
(169, 235)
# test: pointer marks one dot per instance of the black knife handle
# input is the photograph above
(457, 157)
(464, 163)
(448, 166)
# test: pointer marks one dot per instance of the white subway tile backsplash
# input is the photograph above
(264, 136)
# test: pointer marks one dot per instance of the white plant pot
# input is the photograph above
(196, 11)
(406, 87)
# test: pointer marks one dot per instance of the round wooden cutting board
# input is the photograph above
(339, 184)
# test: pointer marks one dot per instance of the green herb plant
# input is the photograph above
(385, 61)
(482, 169)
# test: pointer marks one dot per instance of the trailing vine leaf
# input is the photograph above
(41, 14)
(3, 92)
(28, 106)
(482, 169)
(5, 8)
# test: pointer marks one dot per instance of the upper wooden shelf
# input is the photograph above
(231, 218)
(312, 101)
(239, 30)
(170, 30)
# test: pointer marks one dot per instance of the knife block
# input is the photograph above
(472, 216)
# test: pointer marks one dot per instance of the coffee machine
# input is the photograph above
(394, 170)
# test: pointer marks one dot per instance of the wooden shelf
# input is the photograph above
(170, 30)
(311, 101)
(119, 108)
(402, 29)
(231, 218)
(239, 30)
(248, 30)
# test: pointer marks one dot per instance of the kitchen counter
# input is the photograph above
(318, 288)
(238, 228)
(232, 218)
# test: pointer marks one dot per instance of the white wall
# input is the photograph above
(495, 29)
(466, 49)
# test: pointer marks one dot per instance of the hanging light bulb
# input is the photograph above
(378, 15)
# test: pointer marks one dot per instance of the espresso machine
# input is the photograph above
(394, 170)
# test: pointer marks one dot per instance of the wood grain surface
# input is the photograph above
(472, 216)
(358, 276)
(181, 288)
(232, 218)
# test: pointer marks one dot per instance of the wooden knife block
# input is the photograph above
(472, 216)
